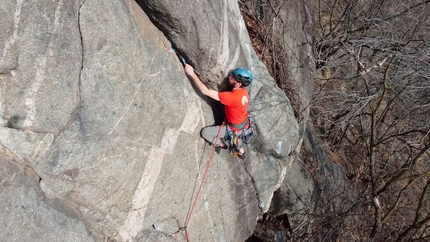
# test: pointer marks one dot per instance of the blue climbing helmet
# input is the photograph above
(243, 76)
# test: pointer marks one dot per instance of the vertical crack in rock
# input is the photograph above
(82, 61)
(260, 205)
(79, 89)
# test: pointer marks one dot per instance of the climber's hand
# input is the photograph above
(189, 70)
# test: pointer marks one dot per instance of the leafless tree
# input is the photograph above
(372, 105)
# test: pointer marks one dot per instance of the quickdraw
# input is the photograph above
(177, 232)
(182, 59)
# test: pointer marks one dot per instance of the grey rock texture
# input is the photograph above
(99, 126)
(294, 25)
(26, 213)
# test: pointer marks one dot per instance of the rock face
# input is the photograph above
(26, 213)
(99, 126)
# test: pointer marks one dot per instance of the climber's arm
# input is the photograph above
(199, 84)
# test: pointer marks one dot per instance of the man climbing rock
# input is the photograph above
(238, 128)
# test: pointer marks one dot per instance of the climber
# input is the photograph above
(238, 128)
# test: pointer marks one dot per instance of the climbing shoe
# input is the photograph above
(238, 154)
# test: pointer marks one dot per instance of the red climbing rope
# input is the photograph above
(201, 183)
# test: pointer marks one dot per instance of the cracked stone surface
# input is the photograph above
(26, 213)
(99, 126)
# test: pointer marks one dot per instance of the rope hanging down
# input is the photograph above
(199, 190)
(182, 59)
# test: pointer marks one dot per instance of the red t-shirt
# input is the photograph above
(235, 105)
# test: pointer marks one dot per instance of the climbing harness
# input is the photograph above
(198, 191)
(237, 134)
